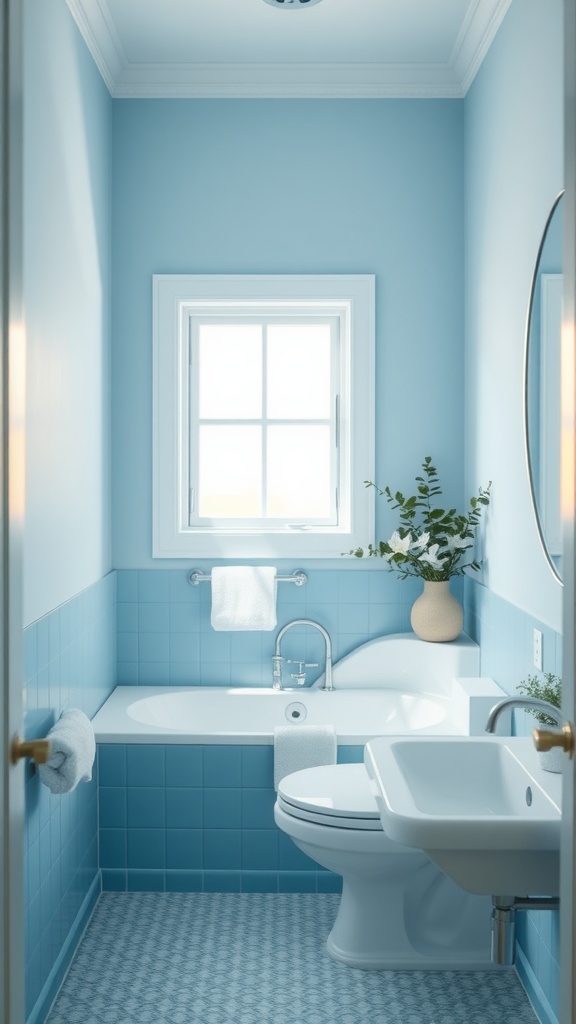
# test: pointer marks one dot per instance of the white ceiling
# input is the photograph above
(246, 48)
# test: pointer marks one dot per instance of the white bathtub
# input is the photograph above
(207, 714)
(395, 684)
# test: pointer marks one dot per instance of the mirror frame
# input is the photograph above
(527, 450)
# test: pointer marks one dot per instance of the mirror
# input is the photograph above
(542, 387)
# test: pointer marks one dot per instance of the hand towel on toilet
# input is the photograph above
(243, 597)
(72, 752)
(302, 746)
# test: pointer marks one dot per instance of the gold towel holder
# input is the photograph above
(37, 750)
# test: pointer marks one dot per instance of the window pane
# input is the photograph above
(299, 472)
(230, 370)
(230, 477)
(299, 371)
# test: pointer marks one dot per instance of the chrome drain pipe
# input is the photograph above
(503, 931)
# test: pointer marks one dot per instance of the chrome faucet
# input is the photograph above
(300, 676)
(530, 703)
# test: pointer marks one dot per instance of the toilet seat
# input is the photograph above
(338, 796)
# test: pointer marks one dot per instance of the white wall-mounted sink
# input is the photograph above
(480, 807)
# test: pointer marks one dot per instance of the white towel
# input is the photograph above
(244, 597)
(72, 753)
(302, 746)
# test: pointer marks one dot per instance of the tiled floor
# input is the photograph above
(170, 958)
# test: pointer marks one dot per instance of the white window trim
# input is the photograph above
(352, 297)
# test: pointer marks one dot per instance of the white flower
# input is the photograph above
(458, 543)
(400, 545)
(431, 557)
(421, 541)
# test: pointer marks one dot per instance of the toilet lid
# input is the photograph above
(339, 792)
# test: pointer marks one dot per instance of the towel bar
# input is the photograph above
(195, 576)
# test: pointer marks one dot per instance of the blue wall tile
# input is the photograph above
(184, 765)
(221, 763)
(184, 808)
(215, 812)
(145, 765)
(222, 808)
(146, 807)
(184, 848)
(146, 848)
(70, 661)
(165, 636)
(260, 849)
(184, 881)
(258, 808)
(222, 849)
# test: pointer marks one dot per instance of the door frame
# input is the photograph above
(568, 503)
(12, 473)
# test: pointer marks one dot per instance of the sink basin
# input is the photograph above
(481, 808)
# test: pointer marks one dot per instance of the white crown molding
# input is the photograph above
(96, 27)
(475, 39)
(449, 80)
(286, 81)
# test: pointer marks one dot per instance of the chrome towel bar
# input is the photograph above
(195, 577)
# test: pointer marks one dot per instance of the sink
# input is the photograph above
(480, 807)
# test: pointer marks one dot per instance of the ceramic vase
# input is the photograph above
(437, 615)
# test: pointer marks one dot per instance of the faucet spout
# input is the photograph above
(530, 703)
(277, 659)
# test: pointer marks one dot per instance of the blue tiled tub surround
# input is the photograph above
(165, 636)
(198, 818)
(189, 805)
(70, 658)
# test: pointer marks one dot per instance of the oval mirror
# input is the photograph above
(542, 387)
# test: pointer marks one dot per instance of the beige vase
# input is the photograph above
(437, 615)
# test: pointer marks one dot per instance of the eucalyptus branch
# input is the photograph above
(431, 543)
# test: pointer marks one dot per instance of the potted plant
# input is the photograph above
(434, 544)
(549, 689)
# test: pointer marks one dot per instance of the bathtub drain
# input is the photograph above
(296, 712)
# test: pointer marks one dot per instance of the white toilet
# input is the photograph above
(397, 910)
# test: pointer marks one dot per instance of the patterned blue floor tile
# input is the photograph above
(255, 958)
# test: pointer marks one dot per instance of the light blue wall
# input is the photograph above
(307, 186)
(67, 159)
(514, 157)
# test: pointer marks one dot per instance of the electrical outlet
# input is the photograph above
(538, 650)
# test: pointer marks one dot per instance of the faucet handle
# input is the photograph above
(300, 675)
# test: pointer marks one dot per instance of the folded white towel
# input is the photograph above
(72, 753)
(302, 746)
(243, 597)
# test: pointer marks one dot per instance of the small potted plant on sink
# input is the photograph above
(549, 689)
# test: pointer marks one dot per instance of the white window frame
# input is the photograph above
(176, 298)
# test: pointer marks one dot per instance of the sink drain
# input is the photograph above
(296, 712)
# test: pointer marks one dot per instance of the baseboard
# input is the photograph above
(56, 977)
(534, 990)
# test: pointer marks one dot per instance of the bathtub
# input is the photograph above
(391, 685)
(207, 714)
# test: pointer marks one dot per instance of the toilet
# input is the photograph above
(397, 909)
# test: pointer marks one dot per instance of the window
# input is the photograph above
(263, 417)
